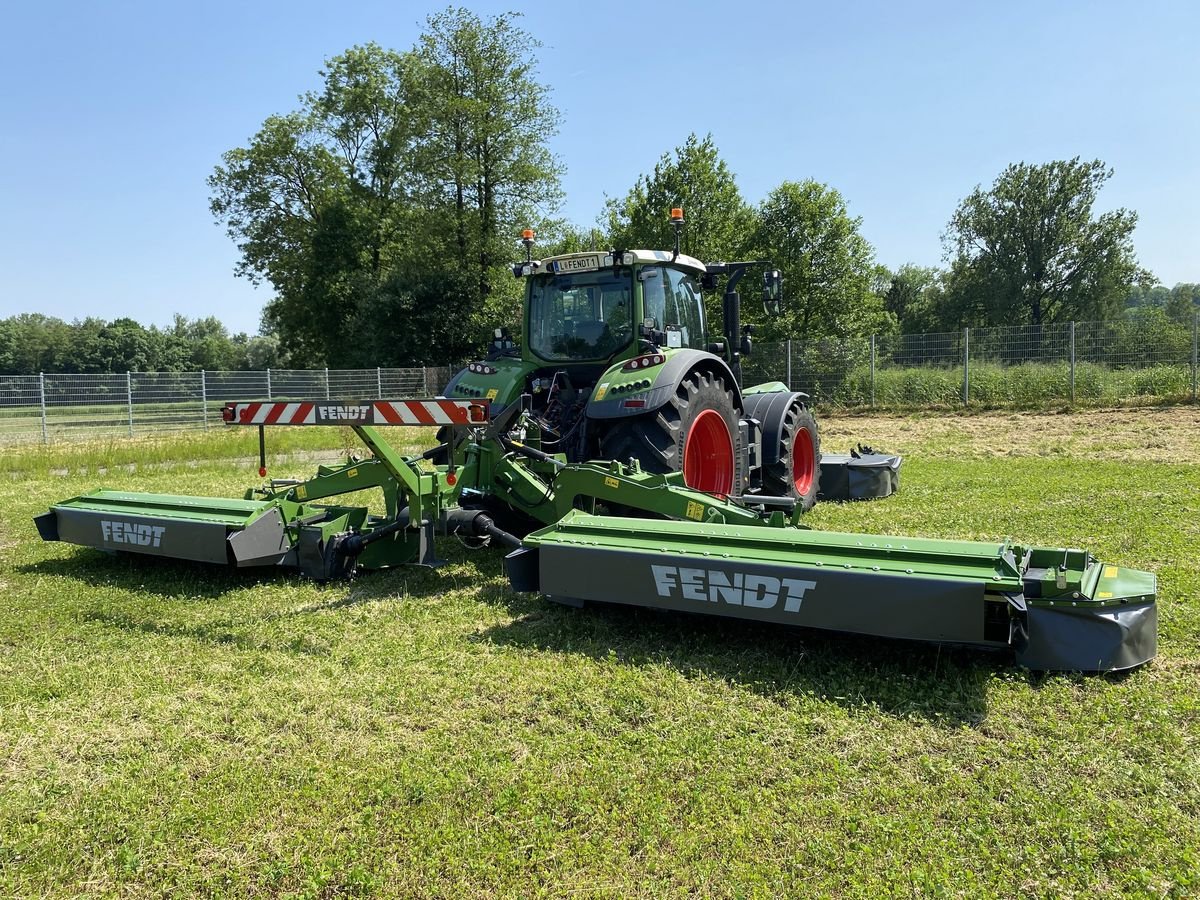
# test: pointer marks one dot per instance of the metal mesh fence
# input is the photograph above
(58, 406)
(1091, 363)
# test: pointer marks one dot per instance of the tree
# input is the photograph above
(485, 122)
(405, 168)
(906, 290)
(1030, 250)
(717, 220)
(1183, 302)
(829, 270)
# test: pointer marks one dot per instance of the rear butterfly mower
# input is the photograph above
(623, 464)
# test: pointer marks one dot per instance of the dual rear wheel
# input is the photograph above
(698, 433)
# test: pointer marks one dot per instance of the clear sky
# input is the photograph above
(113, 114)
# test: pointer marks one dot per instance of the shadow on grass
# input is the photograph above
(942, 685)
(168, 579)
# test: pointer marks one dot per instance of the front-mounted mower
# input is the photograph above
(617, 461)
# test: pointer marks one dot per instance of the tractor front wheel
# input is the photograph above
(696, 432)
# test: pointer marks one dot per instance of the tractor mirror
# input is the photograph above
(772, 295)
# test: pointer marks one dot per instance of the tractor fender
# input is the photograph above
(770, 408)
(607, 404)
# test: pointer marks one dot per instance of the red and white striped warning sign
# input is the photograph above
(431, 412)
(367, 412)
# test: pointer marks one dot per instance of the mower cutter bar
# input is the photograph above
(1058, 609)
(203, 529)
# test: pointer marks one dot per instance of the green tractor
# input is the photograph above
(617, 362)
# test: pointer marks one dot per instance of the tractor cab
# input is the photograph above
(595, 309)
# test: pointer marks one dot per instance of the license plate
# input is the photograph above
(578, 264)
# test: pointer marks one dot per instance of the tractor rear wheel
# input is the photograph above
(696, 432)
(795, 471)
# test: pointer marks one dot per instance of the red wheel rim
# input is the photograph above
(708, 454)
(804, 462)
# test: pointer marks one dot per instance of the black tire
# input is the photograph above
(442, 457)
(657, 440)
(779, 473)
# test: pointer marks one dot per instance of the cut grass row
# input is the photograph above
(168, 729)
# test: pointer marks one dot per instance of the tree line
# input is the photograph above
(31, 343)
(384, 213)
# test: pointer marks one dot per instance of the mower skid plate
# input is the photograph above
(954, 592)
(202, 529)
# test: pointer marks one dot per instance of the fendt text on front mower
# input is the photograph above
(617, 458)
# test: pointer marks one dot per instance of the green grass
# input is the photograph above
(1024, 386)
(174, 730)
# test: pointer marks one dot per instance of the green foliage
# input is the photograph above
(1029, 249)
(717, 221)
(32, 343)
(1183, 302)
(829, 270)
(383, 211)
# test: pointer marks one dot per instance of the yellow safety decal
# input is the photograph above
(695, 510)
(491, 395)
(352, 473)
(301, 492)
(601, 391)
(1104, 595)
(1110, 571)
(611, 482)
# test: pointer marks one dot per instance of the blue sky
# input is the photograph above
(113, 114)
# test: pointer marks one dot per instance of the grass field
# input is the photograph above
(172, 730)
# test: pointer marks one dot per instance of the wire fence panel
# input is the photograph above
(167, 401)
(1089, 363)
(88, 406)
(21, 409)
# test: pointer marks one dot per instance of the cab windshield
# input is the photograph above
(580, 316)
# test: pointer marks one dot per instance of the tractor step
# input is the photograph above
(1058, 609)
(203, 529)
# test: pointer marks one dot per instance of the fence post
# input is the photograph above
(204, 396)
(327, 382)
(129, 397)
(1195, 332)
(379, 382)
(269, 397)
(966, 366)
(872, 370)
(789, 364)
(1072, 363)
(424, 381)
(46, 432)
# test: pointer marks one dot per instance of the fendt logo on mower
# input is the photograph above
(132, 533)
(734, 588)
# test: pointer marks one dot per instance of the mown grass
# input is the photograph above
(169, 729)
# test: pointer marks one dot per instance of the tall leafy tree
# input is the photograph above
(718, 221)
(483, 159)
(1031, 250)
(828, 267)
(314, 201)
(1183, 302)
(389, 196)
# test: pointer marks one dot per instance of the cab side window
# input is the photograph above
(685, 307)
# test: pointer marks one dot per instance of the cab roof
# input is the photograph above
(629, 257)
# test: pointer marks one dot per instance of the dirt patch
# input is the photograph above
(1167, 434)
